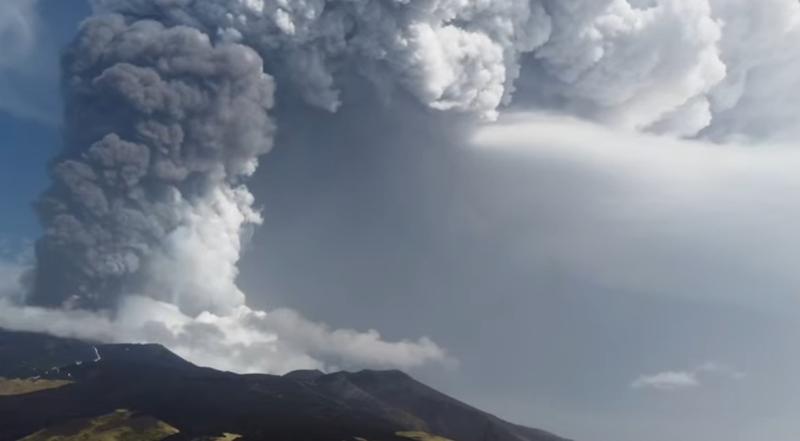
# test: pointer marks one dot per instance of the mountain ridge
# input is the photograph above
(201, 402)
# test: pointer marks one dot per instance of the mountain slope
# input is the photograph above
(203, 403)
(440, 413)
(24, 354)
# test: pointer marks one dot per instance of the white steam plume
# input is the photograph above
(244, 340)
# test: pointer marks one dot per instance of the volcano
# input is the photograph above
(64, 389)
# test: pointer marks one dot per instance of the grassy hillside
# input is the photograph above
(18, 386)
(121, 425)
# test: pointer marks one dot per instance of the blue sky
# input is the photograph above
(30, 138)
(23, 169)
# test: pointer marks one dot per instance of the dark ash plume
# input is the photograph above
(163, 125)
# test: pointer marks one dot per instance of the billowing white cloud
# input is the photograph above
(714, 68)
(631, 65)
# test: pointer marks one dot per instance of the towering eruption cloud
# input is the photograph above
(163, 126)
(168, 112)
(680, 67)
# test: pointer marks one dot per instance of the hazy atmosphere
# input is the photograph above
(579, 215)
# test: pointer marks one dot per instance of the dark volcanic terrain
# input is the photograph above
(145, 392)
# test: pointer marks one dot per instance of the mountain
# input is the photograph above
(63, 389)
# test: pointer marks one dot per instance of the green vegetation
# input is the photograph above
(421, 436)
(121, 425)
(21, 386)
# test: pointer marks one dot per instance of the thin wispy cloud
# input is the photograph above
(721, 370)
(668, 381)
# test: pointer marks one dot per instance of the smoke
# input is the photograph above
(147, 212)
(162, 126)
(168, 112)
(455, 55)
(717, 69)
(689, 68)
